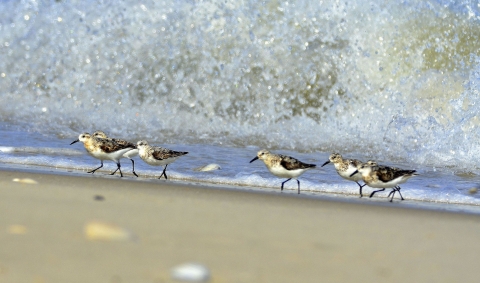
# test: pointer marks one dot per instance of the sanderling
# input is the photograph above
(283, 166)
(384, 177)
(129, 154)
(157, 156)
(103, 149)
(346, 167)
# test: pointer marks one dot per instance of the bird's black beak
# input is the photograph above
(326, 163)
(356, 171)
(75, 141)
(256, 157)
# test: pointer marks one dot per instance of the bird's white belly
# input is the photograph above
(389, 184)
(155, 162)
(114, 156)
(346, 174)
(280, 171)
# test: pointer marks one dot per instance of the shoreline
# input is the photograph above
(239, 236)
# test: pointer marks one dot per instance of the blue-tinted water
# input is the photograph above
(50, 153)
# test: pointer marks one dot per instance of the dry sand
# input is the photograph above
(240, 236)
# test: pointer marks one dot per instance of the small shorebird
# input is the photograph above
(384, 177)
(129, 154)
(103, 149)
(346, 167)
(157, 156)
(283, 166)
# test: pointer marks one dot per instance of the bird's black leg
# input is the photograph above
(298, 182)
(371, 195)
(398, 190)
(113, 173)
(361, 187)
(285, 182)
(164, 173)
(392, 193)
(133, 168)
(93, 171)
(118, 169)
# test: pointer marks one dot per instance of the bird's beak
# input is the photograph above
(356, 171)
(326, 163)
(256, 157)
(75, 141)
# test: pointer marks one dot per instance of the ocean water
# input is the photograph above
(394, 81)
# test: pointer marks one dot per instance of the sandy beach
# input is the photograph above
(239, 236)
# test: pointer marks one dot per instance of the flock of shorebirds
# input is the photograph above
(100, 146)
(372, 174)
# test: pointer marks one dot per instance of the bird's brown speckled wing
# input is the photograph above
(161, 153)
(109, 146)
(125, 143)
(356, 162)
(386, 174)
(291, 163)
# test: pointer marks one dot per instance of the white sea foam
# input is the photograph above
(400, 77)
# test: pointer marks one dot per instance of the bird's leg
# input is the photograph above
(118, 168)
(133, 168)
(371, 195)
(285, 182)
(164, 173)
(398, 190)
(392, 193)
(361, 187)
(93, 171)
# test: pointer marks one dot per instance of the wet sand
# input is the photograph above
(240, 236)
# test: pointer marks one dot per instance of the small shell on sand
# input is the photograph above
(25, 181)
(209, 167)
(17, 229)
(473, 191)
(190, 272)
(100, 231)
